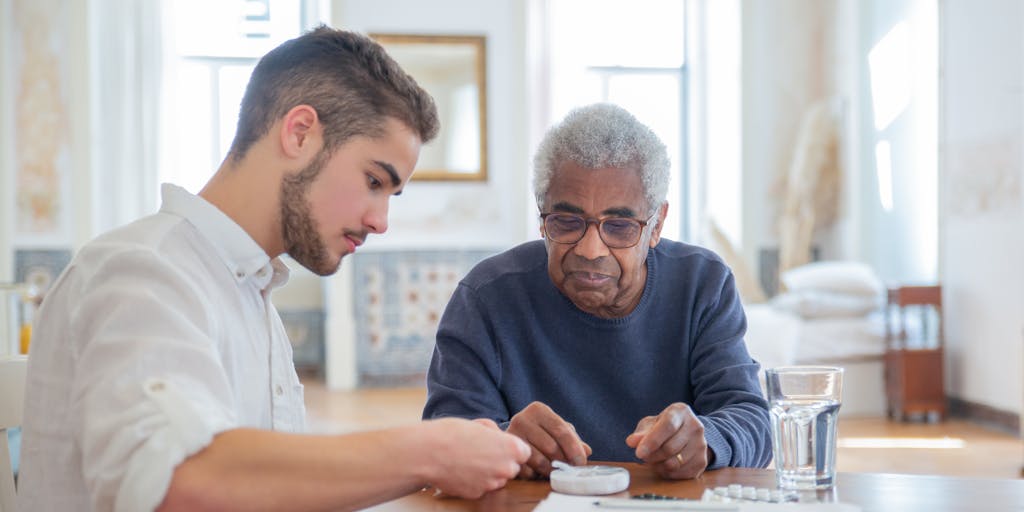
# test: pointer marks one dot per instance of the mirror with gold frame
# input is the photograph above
(452, 68)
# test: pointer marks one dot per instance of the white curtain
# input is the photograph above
(127, 54)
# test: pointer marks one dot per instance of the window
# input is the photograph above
(631, 54)
(212, 49)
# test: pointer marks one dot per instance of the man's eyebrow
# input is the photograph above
(619, 211)
(563, 206)
(390, 169)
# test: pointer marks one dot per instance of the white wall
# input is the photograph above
(795, 51)
(898, 238)
(491, 214)
(70, 68)
(798, 52)
(444, 214)
(6, 151)
(786, 63)
(86, 198)
(982, 242)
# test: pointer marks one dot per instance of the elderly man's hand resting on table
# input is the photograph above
(672, 443)
(550, 438)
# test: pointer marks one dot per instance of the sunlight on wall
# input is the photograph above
(890, 64)
(901, 129)
(928, 443)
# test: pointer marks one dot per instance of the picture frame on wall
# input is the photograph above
(453, 69)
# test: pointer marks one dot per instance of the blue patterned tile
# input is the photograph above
(398, 303)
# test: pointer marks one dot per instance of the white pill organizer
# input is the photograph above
(588, 480)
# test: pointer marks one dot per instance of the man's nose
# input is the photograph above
(376, 219)
(591, 246)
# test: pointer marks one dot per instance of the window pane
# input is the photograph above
(628, 53)
(654, 100)
(609, 32)
(234, 28)
(189, 152)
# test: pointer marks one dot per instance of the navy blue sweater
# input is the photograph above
(509, 337)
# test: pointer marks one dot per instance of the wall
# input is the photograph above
(6, 137)
(786, 62)
(896, 211)
(446, 214)
(49, 89)
(484, 215)
(982, 237)
(796, 51)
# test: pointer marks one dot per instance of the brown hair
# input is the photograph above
(348, 78)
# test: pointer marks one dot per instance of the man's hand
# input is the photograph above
(672, 442)
(550, 438)
(476, 456)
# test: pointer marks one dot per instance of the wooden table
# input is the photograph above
(871, 491)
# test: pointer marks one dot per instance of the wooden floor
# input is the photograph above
(952, 447)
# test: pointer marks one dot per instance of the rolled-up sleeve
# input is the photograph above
(149, 389)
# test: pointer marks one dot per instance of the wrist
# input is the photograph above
(418, 451)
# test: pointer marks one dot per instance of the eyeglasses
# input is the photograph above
(615, 232)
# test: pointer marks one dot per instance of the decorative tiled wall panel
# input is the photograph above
(399, 297)
(305, 328)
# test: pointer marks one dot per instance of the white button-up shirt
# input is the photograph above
(157, 336)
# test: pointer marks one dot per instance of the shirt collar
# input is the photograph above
(239, 252)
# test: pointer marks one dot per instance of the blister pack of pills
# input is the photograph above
(737, 492)
(734, 493)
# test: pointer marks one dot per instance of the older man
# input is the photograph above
(603, 340)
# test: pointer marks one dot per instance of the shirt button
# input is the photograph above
(278, 390)
(239, 274)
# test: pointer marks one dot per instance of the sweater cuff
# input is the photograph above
(718, 444)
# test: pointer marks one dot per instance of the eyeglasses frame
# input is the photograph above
(598, 222)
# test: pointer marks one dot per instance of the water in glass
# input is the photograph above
(804, 435)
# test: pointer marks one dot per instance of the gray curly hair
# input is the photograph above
(603, 135)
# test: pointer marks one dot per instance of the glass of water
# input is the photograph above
(804, 403)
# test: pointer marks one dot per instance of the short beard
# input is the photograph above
(301, 238)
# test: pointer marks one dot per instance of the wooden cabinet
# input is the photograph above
(914, 353)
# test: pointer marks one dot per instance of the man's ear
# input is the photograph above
(301, 132)
(659, 221)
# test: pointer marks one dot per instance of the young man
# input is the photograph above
(161, 375)
(604, 340)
